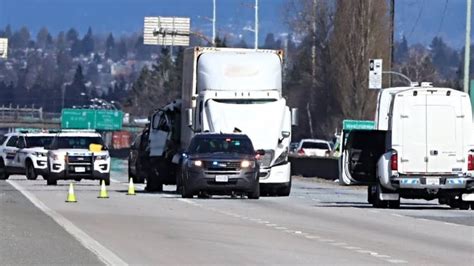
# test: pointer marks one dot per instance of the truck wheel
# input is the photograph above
(376, 202)
(3, 171)
(394, 204)
(464, 205)
(50, 181)
(30, 171)
(285, 190)
(255, 194)
(106, 180)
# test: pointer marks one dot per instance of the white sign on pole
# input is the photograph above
(3, 47)
(375, 74)
(171, 31)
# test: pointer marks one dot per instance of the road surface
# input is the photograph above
(320, 223)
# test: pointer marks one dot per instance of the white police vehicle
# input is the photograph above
(78, 155)
(24, 153)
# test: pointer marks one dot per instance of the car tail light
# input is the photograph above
(301, 152)
(394, 161)
(470, 162)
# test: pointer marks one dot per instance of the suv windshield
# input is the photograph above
(39, 141)
(77, 142)
(220, 144)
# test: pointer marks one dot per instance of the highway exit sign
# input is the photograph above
(91, 119)
(358, 125)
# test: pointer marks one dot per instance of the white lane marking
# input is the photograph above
(326, 240)
(397, 215)
(271, 225)
(281, 228)
(380, 256)
(374, 211)
(189, 202)
(337, 244)
(103, 253)
(451, 224)
(397, 261)
(352, 248)
(298, 232)
(311, 237)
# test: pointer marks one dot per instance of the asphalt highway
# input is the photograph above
(320, 223)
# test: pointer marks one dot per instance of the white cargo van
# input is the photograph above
(422, 148)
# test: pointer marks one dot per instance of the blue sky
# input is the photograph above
(419, 20)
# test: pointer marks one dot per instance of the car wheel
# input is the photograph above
(186, 192)
(255, 194)
(30, 171)
(3, 171)
(106, 180)
(50, 181)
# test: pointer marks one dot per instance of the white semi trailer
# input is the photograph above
(422, 148)
(227, 90)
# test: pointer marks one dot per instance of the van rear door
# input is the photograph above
(409, 131)
(361, 150)
(444, 133)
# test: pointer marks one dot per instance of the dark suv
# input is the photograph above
(220, 164)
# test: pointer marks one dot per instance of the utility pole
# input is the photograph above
(467, 47)
(213, 22)
(392, 38)
(256, 24)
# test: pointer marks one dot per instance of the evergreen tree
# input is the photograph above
(88, 42)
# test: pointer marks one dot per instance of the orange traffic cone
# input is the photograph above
(131, 188)
(103, 191)
(70, 195)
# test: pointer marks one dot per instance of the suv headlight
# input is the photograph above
(247, 164)
(194, 163)
(102, 157)
(282, 158)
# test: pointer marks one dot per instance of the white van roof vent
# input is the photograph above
(427, 84)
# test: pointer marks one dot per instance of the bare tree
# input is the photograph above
(361, 32)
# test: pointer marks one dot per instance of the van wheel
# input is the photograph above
(30, 171)
(463, 205)
(3, 171)
(376, 202)
(285, 190)
(472, 206)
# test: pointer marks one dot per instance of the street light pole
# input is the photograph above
(467, 47)
(213, 22)
(256, 24)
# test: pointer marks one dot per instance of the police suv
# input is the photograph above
(78, 155)
(24, 153)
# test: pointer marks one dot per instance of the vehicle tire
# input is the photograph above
(285, 190)
(370, 195)
(186, 192)
(255, 194)
(106, 180)
(376, 202)
(394, 204)
(30, 171)
(464, 205)
(472, 206)
(50, 181)
(3, 171)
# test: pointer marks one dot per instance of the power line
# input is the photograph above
(418, 18)
(442, 17)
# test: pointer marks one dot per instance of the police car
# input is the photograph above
(24, 153)
(78, 155)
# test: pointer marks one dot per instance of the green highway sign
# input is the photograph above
(91, 119)
(108, 119)
(358, 124)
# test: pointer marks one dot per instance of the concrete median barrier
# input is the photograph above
(322, 167)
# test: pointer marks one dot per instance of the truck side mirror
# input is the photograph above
(294, 117)
(285, 134)
(189, 112)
